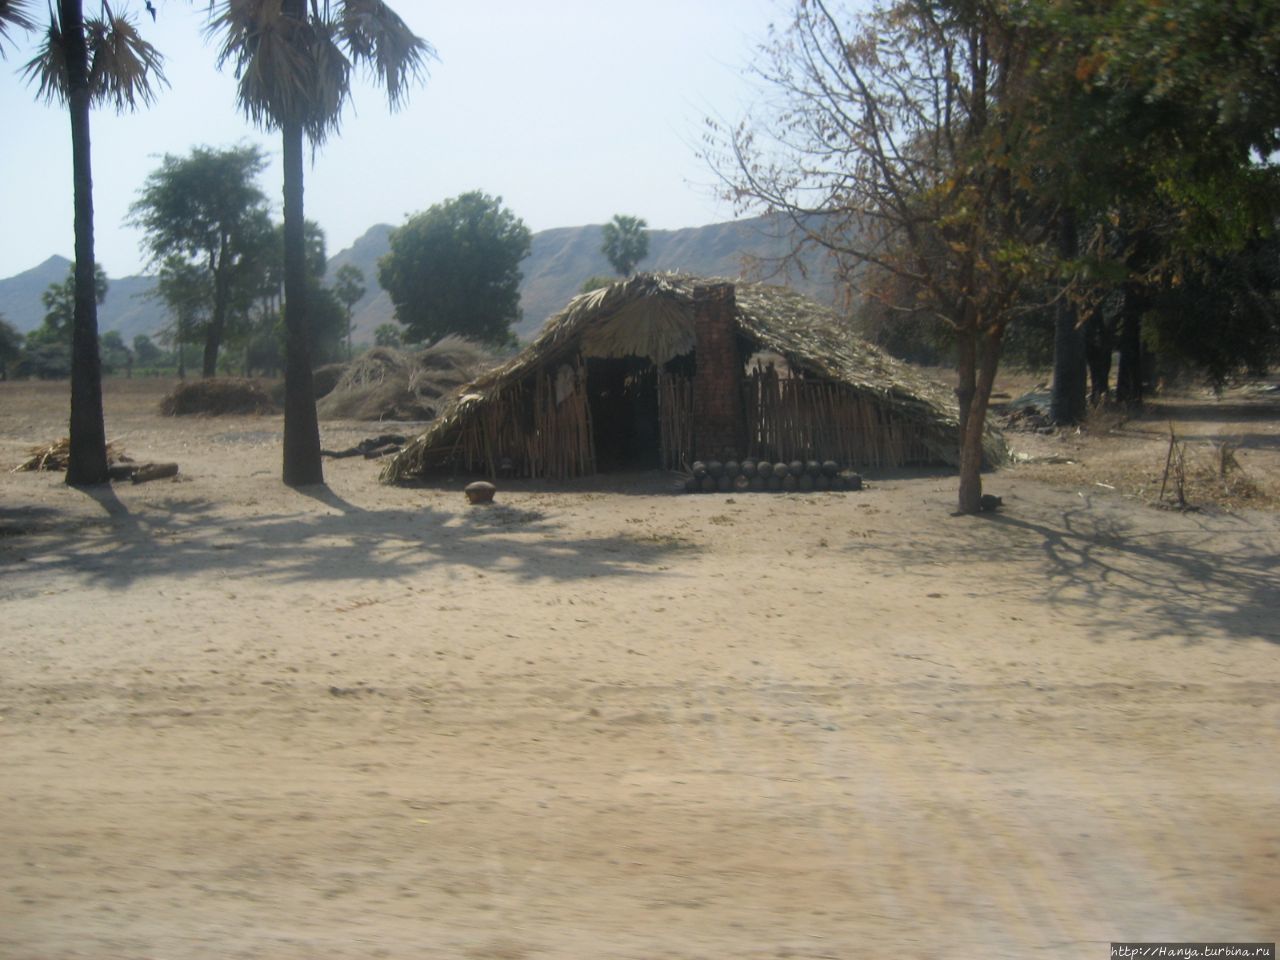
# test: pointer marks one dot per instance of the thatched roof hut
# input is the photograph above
(662, 368)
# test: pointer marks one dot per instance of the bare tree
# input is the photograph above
(892, 140)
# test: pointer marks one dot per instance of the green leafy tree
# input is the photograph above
(328, 323)
(348, 287)
(47, 350)
(1158, 125)
(259, 332)
(59, 301)
(293, 62)
(83, 62)
(46, 355)
(455, 268)
(10, 347)
(184, 288)
(594, 283)
(116, 356)
(208, 209)
(148, 355)
(386, 335)
(625, 243)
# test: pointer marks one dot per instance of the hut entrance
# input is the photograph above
(624, 412)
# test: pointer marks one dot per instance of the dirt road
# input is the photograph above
(238, 721)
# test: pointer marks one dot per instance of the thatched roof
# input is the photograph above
(651, 315)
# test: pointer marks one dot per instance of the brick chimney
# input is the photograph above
(717, 388)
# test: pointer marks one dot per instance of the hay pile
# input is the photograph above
(220, 396)
(387, 384)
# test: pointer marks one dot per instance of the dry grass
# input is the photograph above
(387, 384)
(1186, 450)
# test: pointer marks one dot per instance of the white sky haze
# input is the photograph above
(570, 110)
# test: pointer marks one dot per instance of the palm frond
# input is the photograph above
(48, 68)
(375, 36)
(13, 14)
(287, 69)
(124, 69)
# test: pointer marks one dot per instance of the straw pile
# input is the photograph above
(54, 456)
(387, 384)
(838, 377)
(219, 396)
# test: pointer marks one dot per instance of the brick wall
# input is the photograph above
(718, 427)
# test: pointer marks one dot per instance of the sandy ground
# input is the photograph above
(238, 721)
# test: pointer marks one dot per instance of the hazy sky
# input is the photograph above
(570, 110)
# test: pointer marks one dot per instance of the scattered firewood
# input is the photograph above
(54, 456)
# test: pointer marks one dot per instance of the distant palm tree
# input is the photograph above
(81, 63)
(293, 61)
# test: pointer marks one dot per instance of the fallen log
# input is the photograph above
(144, 472)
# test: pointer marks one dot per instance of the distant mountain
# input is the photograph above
(126, 308)
(559, 261)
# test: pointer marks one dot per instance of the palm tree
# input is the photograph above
(625, 243)
(293, 61)
(81, 63)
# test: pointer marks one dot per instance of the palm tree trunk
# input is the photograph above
(302, 466)
(87, 460)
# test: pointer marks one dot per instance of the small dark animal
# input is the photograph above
(151, 10)
(990, 503)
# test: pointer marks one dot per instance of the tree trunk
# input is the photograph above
(1129, 374)
(302, 464)
(982, 357)
(1099, 343)
(1067, 404)
(87, 459)
(217, 322)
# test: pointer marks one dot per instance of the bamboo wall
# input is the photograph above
(787, 418)
(791, 418)
(675, 420)
(527, 426)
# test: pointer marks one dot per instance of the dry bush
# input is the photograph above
(387, 384)
(221, 396)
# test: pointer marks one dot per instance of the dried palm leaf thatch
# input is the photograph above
(387, 384)
(216, 397)
(651, 315)
(54, 456)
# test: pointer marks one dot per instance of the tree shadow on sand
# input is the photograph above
(1130, 568)
(125, 546)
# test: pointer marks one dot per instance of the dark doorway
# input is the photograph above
(624, 413)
